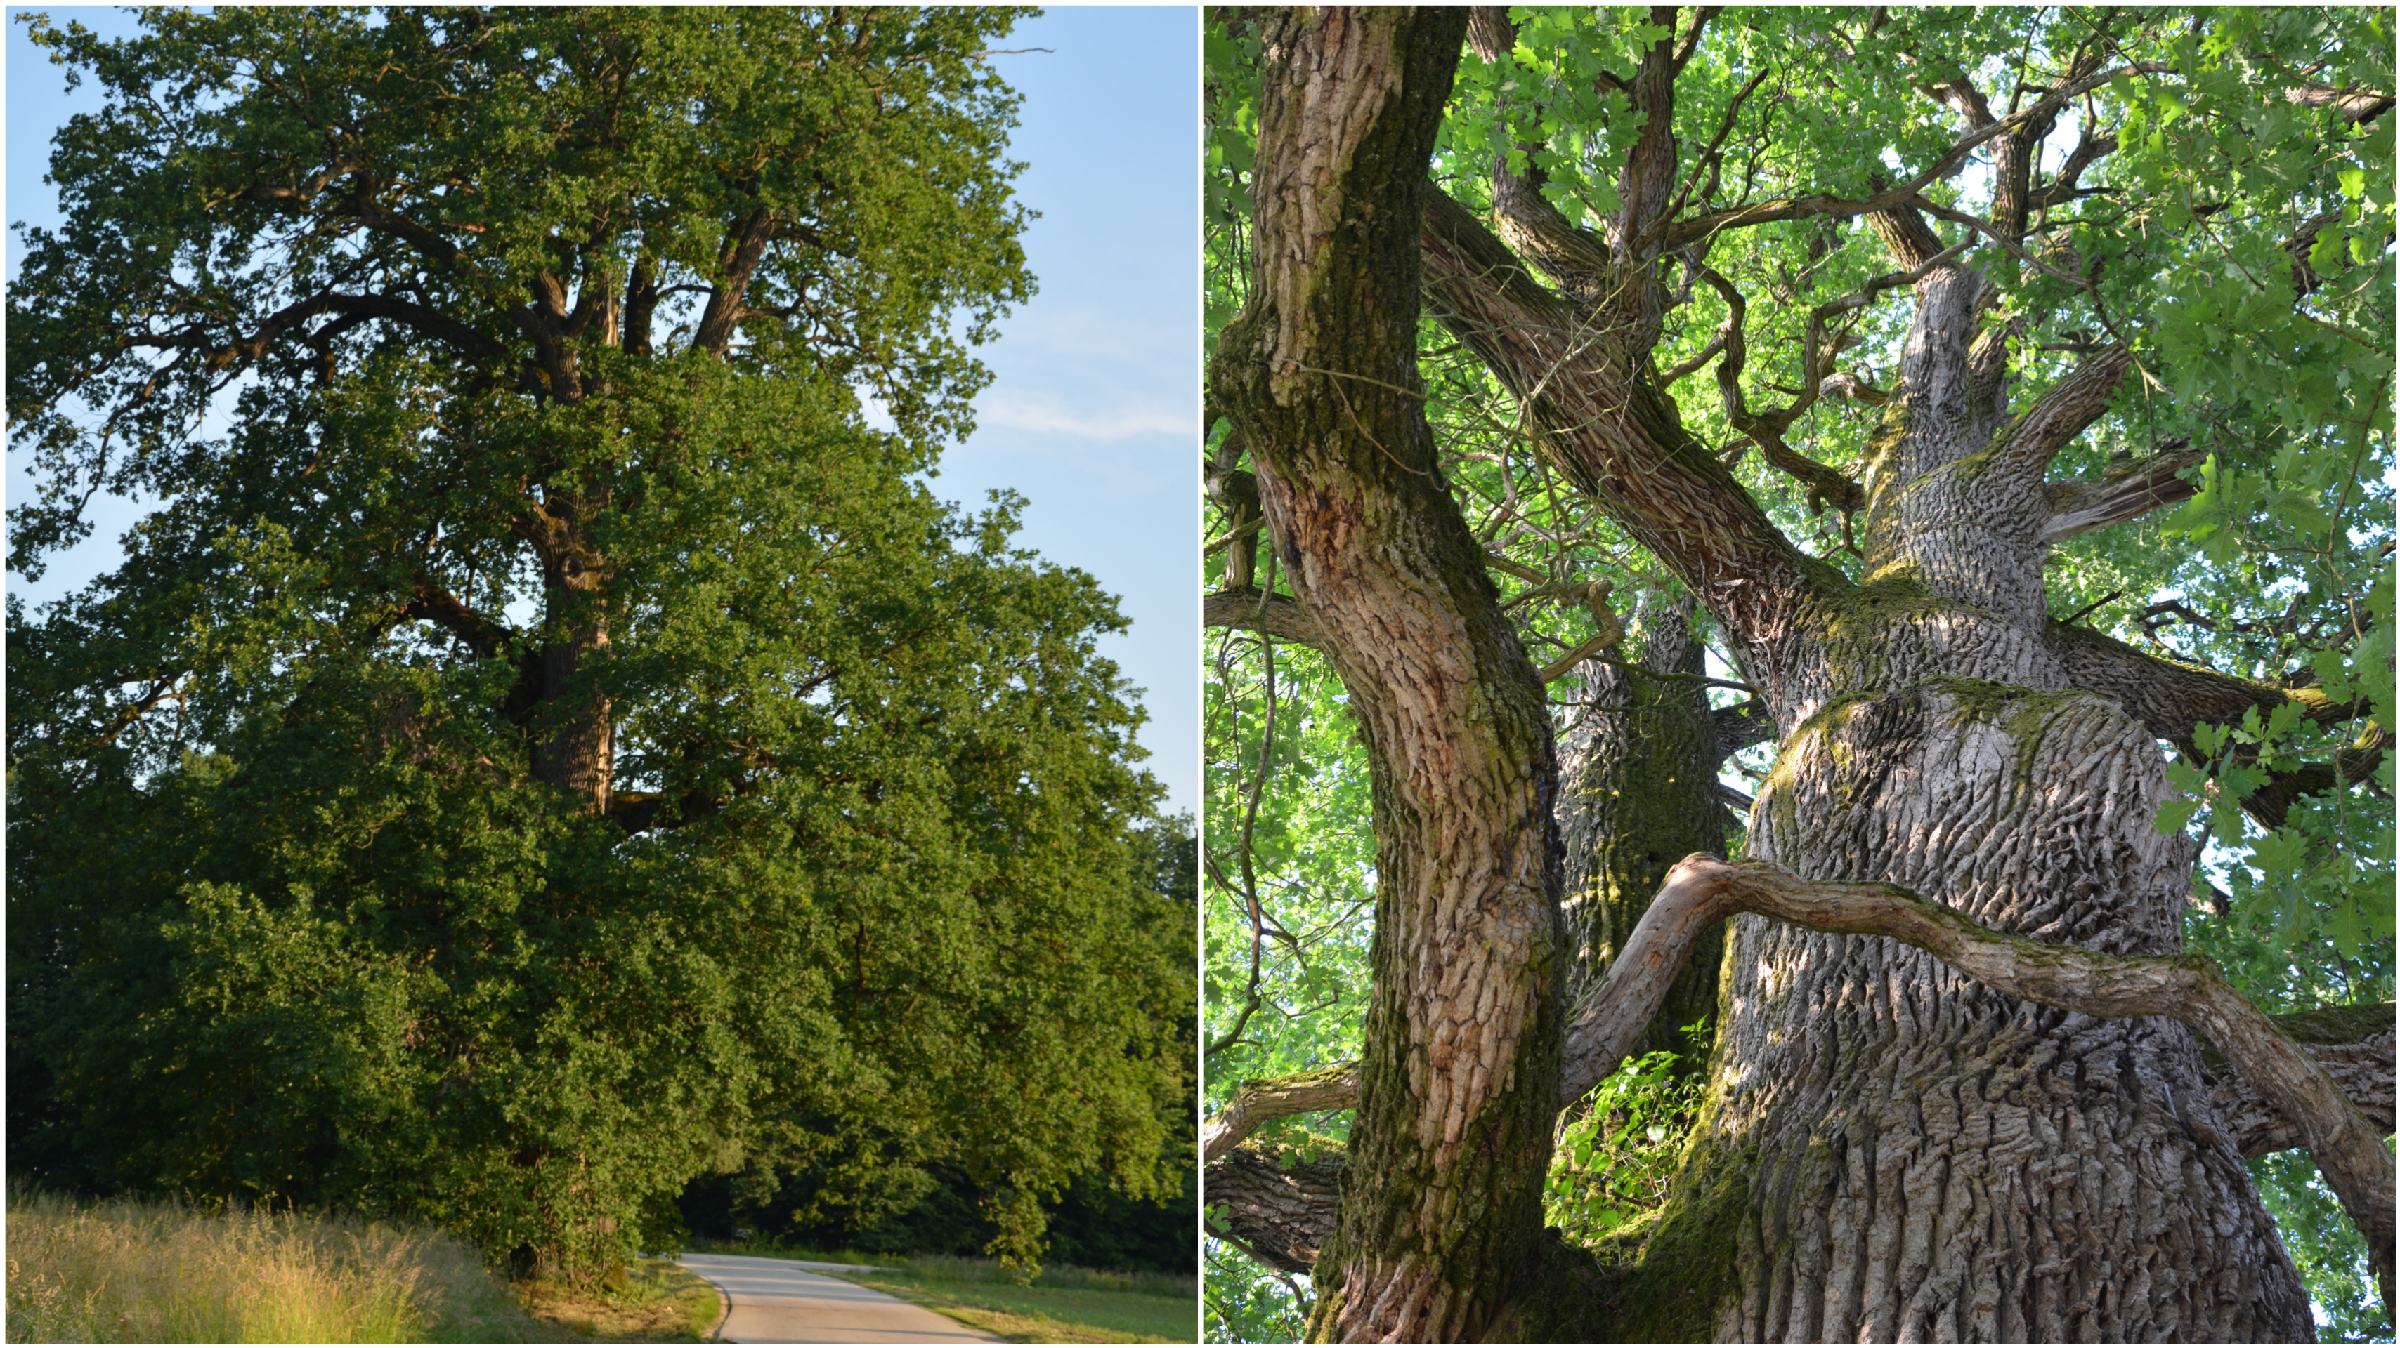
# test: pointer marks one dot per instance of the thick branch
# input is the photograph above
(1524, 217)
(443, 609)
(2067, 185)
(1277, 615)
(2351, 1044)
(737, 262)
(1647, 179)
(1615, 433)
(2126, 492)
(1318, 375)
(1279, 1208)
(1255, 1103)
(2170, 698)
(1739, 727)
(2062, 413)
(219, 352)
(2271, 804)
(2355, 106)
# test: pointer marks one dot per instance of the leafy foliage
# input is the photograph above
(1616, 1155)
(2341, 1279)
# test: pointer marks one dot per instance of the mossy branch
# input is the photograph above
(1256, 1103)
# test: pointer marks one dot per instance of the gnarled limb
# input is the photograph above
(2353, 1045)
(2266, 1097)
(2067, 184)
(1257, 1102)
(1765, 429)
(1599, 415)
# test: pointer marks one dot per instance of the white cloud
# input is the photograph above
(1045, 414)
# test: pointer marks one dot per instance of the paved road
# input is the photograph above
(781, 1301)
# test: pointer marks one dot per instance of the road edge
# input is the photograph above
(716, 1332)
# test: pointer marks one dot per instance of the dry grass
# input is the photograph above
(122, 1271)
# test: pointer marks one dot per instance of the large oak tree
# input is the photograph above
(1884, 338)
(547, 741)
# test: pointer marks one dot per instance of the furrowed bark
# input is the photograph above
(1930, 742)
(1279, 1208)
(2352, 1045)
(1895, 1144)
(1701, 891)
(1319, 378)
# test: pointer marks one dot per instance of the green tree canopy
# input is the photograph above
(548, 743)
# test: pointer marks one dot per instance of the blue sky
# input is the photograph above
(1093, 407)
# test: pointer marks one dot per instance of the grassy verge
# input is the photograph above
(146, 1272)
(1063, 1305)
(657, 1302)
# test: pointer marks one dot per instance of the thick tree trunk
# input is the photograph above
(1319, 373)
(1893, 1151)
(1890, 1149)
(1639, 753)
(578, 755)
(1638, 758)
(573, 717)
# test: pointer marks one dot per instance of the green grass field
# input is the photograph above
(124, 1271)
(1063, 1305)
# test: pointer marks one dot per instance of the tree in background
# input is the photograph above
(547, 743)
(1884, 341)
